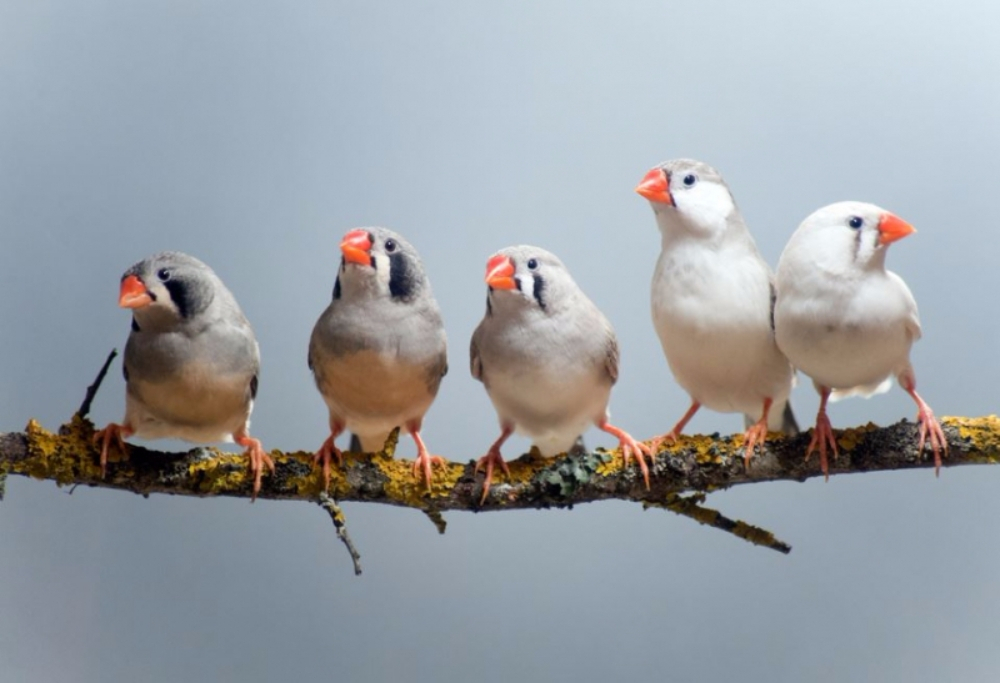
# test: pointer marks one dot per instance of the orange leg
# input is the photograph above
(113, 432)
(630, 447)
(756, 433)
(424, 458)
(929, 427)
(492, 458)
(258, 458)
(823, 434)
(674, 433)
(329, 450)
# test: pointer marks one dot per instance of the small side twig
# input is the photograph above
(92, 389)
(437, 519)
(327, 502)
(690, 506)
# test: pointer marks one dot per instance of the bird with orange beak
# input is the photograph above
(547, 356)
(191, 362)
(378, 352)
(711, 299)
(846, 321)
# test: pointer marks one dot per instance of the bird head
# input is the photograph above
(379, 262)
(687, 196)
(528, 277)
(167, 289)
(850, 235)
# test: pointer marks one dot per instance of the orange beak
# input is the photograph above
(499, 272)
(133, 293)
(655, 187)
(356, 247)
(892, 228)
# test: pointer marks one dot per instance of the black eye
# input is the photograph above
(855, 222)
(163, 274)
(690, 179)
(390, 246)
(532, 263)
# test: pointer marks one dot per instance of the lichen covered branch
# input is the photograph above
(693, 464)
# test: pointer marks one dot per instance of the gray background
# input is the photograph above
(255, 136)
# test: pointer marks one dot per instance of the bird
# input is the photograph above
(846, 321)
(547, 356)
(378, 352)
(191, 361)
(711, 302)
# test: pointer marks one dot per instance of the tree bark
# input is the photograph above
(695, 464)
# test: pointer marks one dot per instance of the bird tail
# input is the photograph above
(355, 446)
(782, 420)
(368, 443)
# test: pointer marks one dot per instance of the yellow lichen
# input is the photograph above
(983, 433)
(66, 458)
(850, 438)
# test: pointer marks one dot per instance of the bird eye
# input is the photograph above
(390, 245)
(532, 263)
(690, 179)
(163, 274)
(855, 222)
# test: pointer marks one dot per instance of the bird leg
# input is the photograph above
(630, 447)
(929, 426)
(329, 450)
(258, 458)
(113, 432)
(424, 458)
(674, 433)
(492, 458)
(823, 434)
(756, 433)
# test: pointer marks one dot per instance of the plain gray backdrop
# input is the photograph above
(253, 135)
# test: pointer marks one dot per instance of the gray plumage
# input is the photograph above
(191, 360)
(547, 357)
(378, 352)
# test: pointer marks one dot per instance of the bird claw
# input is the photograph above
(754, 435)
(259, 459)
(629, 448)
(426, 461)
(104, 437)
(656, 442)
(632, 448)
(822, 436)
(930, 427)
(488, 461)
(327, 451)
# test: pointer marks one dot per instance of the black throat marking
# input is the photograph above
(336, 288)
(181, 295)
(403, 280)
(537, 290)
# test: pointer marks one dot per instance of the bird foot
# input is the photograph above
(755, 434)
(259, 459)
(822, 436)
(630, 447)
(113, 432)
(489, 460)
(657, 441)
(425, 461)
(930, 427)
(325, 453)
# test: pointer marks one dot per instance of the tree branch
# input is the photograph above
(697, 464)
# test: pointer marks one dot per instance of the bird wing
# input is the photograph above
(475, 360)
